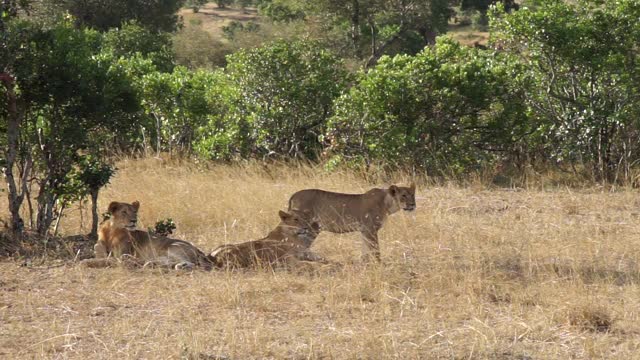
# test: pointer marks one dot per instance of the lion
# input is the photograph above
(119, 240)
(366, 213)
(287, 243)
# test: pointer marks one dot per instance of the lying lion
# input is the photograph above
(288, 242)
(366, 213)
(119, 240)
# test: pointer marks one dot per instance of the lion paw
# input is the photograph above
(185, 266)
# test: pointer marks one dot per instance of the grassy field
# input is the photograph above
(475, 273)
(212, 19)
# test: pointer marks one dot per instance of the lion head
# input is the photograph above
(124, 215)
(403, 197)
(298, 224)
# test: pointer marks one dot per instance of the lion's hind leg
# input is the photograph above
(185, 257)
(125, 261)
(185, 266)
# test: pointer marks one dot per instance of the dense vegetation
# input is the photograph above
(558, 86)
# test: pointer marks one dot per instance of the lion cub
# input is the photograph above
(288, 242)
(118, 239)
(366, 213)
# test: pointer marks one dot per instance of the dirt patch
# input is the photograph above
(212, 19)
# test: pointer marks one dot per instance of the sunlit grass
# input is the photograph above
(475, 273)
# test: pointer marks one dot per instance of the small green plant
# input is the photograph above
(164, 227)
(195, 5)
(235, 27)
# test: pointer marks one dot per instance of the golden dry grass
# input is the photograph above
(476, 274)
(212, 19)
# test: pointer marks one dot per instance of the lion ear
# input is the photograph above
(136, 205)
(412, 187)
(113, 207)
(284, 215)
(393, 190)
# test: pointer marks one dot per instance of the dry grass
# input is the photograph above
(212, 19)
(467, 35)
(476, 273)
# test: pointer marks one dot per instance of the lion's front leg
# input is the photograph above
(100, 250)
(370, 248)
(308, 255)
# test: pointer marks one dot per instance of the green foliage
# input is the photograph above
(282, 11)
(155, 15)
(132, 38)
(234, 27)
(163, 227)
(368, 29)
(284, 95)
(446, 109)
(178, 103)
(582, 78)
(69, 95)
(89, 174)
(483, 5)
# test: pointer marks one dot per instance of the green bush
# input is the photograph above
(448, 109)
(581, 79)
(132, 38)
(279, 99)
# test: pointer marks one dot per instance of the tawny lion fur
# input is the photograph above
(366, 213)
(119, 240)
(287, 243)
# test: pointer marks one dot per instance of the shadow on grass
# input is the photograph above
(33, 249)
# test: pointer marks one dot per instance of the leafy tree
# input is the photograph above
(131, 38)
(285, 94)
(378, 27)
(281, 10)
(582, 77)
(66, 94)
(483, 5)
(234, 27)
(87, 178)
(11, 115)
(177, 102)
(449, 108)
(155, 15)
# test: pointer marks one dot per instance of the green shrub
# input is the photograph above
(449, 108)
(278, 98)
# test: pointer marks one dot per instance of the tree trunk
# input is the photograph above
(11, 152)
(158, 134)
(46, 201)
(94, 213)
